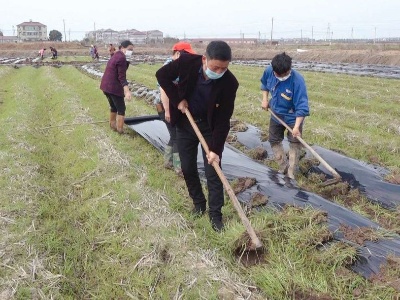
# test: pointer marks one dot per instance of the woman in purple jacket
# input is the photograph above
(115, 86)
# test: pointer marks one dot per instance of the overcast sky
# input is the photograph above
(319, 19)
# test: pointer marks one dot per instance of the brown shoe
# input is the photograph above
(113, 121)
(120, 123)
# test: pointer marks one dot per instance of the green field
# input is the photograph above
(86, 213)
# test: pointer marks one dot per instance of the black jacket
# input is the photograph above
(221, 103)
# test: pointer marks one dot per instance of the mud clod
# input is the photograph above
(258, 153)
(242, 184)
(359, 235)
(389, 273)
(264, 136)
(393, 178)
(239, 127)
(231, 138)
(258, 199)
(244, 253)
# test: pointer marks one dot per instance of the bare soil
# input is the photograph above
(381, 54)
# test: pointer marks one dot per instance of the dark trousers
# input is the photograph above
(276, 132)
(117, 103)
(172, 133)
(188, 148)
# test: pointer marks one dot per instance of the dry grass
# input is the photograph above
(384, 54)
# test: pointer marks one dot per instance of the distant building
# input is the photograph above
(32, 31)
(154, 37)
(8, 39)
(135, 36)
(109, 36)
(247, 41)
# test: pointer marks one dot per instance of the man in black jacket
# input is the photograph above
(208, 90)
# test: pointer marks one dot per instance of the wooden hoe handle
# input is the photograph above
(317, 156)
(256, 243)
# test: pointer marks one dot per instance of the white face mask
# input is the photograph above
(283, 78)
(128, 53)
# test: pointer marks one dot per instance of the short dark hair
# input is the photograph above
(125, 44)
(219, 50)
(281, 63)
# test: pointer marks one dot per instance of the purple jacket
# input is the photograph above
(114, 77)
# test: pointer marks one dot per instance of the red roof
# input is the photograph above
(31, 24)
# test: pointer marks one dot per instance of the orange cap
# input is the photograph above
(183, 46)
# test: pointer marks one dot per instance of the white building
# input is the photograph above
(109, 36)
(154, 36)
(32, 31)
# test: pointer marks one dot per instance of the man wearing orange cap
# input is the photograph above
(171, 155)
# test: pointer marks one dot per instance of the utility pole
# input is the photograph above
(69, 35)
(301, 36)
(312, 34)
(328, 32)
(375, 36)
(13, 30)
(65, 36)
(272, 29)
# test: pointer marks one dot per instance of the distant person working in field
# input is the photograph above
(53, 52)
(208, 90)
(91, 51)
(111, 50)
(115, 86)
(289, 101)
(95, 53)
(171, 155)
(41, 53)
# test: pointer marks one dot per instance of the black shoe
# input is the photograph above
(217, 225)
(198, 210)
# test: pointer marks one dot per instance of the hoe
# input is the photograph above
(337, 178)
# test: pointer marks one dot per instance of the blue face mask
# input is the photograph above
(212, 75)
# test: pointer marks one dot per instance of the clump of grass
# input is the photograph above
(258, 153)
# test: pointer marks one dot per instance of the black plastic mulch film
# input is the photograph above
(367, 178)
